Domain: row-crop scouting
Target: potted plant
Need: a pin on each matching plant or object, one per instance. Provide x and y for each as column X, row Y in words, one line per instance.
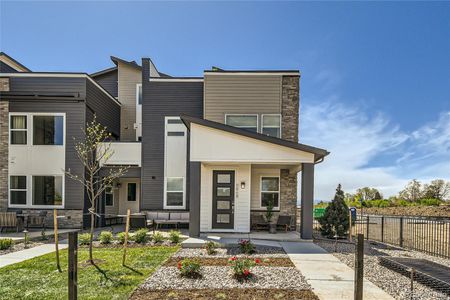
column 269, row 216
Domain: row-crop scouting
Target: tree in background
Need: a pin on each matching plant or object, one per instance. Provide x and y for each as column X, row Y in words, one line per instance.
column 437, row 189
column 412, row 192
column 335, row 219
column 367, row 193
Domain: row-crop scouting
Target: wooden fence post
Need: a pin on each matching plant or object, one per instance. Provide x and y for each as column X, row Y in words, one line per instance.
column 127, row 228
column 73, row 265
column 55, row 231
column 401, row 232
column 359, row 267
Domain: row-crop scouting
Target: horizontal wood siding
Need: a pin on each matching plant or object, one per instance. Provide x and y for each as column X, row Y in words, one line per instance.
column 5, row 68
column 241, row 94
column 49, row 85
column 75, row 120
column 108, row 81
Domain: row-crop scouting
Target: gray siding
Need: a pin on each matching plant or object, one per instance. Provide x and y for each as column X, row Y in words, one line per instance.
column 241, row 94
column 106, row 109
column 108, row 81
column 162, row 99
column 51, row 86
column 75, row 114
column 5, row 68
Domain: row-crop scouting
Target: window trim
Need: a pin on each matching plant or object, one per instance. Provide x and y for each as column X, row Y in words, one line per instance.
column 112, row 193
column 261, row 191
column 262, row 123
column 20, row 190
column 11, row 129
column 242, row 115
column 166, row 191
column 32, row 115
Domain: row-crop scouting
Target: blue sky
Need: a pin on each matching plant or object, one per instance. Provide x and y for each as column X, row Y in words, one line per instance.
column 375, row 85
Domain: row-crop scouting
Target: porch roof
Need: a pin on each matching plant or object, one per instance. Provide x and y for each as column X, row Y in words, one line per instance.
column 213, row 138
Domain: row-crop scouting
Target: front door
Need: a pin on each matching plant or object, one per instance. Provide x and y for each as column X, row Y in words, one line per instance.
column 223, row 200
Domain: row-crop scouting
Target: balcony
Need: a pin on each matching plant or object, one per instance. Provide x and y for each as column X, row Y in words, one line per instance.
column 123, row 154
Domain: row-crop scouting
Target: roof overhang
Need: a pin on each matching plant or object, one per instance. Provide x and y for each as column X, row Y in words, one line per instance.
column 133, row 64
column 13, row 63
column 213, row 142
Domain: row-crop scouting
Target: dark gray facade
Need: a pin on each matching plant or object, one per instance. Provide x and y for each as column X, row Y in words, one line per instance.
column 5, row 68
column 108, row 80
column 172, row 97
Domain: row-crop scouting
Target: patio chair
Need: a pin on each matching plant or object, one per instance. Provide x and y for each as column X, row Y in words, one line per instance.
column 138, row 221
column 259, row 223
column 9, row 220
column 37, row 220
column 284, row 222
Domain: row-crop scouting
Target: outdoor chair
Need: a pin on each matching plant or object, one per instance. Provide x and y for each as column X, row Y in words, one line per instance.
column 259, row 223
column 138, row 221
column 284, row 222
column 37, row 220
column 9, row 220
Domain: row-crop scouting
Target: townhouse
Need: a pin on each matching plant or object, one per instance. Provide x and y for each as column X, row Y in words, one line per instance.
column 219, row 146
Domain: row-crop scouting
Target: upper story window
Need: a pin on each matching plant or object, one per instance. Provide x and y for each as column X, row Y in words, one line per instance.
column 247, row 122
column 48, row 130
column 18, row 130
column 271, row 125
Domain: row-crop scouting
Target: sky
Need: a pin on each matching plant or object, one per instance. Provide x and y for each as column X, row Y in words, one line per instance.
column 375, row 76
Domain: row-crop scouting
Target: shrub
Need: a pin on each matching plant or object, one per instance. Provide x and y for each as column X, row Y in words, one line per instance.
column 158, row 237
column 105, row 237
column 430, row 202
column 242, row 267
column 174, row 236
column 335, row 219
column 246, row 246
column 121, row 237
column 6, row 244
column 140, row 236
column 211, row 247
column 189, row 267
column 84, row 239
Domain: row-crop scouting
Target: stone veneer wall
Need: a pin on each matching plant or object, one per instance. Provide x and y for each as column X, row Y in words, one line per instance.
column 4, row 130
column 73, row 217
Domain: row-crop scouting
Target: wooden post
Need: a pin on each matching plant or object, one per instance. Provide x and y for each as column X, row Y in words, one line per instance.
column 413, row 271
column 73, row 265
column 350, row 231
column 55, row 230
column 359, row 267
column 125, row 243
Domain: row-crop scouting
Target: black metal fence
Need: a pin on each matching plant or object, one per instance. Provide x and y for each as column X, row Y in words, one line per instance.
column 425, row 234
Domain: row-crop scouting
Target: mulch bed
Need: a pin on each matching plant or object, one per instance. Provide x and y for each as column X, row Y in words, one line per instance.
column 221, row 261
column 224, row 294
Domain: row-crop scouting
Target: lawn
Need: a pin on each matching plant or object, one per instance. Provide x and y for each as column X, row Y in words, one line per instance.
column 38, row 278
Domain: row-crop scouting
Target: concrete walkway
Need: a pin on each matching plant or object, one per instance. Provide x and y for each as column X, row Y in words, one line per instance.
column 19, row 256
column 329, row 278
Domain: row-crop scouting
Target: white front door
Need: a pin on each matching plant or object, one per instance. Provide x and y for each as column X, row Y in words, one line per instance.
column 129, row 196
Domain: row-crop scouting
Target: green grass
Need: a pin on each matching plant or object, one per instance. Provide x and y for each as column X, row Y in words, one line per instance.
column 38, row 278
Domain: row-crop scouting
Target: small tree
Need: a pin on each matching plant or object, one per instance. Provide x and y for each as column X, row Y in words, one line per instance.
column 93, row 151
column 412, row 192
column 335, row 220
column 437, row 189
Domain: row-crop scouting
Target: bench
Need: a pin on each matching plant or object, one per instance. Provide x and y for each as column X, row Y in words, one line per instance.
column 166, row 218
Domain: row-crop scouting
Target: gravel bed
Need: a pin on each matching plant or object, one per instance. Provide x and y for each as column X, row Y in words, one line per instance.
column 21, row 246
column 397, row 285
column 221, row 277
column 261, row 251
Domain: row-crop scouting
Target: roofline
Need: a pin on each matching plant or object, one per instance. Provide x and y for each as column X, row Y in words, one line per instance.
column 176, row 79
column 319, row 153
column 15, row 61
column 105, row 71
column 129, row 63
column 62, row 74
column 253, row 72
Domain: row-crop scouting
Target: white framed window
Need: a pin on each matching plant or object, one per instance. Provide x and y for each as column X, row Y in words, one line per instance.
column 271, row 125
column 245, row 121
column 18, row 190
column 48, row 130
column 47, row 190
column 109, row 196
column 174, row 187
column 18, row 129
column 270, row 191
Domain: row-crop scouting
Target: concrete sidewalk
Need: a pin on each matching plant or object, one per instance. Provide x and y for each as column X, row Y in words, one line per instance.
column 19, row 256
column 329, row 278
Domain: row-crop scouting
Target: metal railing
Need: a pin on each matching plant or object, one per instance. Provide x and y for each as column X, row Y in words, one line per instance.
column 430, row 235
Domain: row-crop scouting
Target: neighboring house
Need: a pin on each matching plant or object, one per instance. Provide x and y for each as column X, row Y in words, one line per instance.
column 219, row 146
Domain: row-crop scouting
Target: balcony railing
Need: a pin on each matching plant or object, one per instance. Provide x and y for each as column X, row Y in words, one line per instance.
column 123, row 154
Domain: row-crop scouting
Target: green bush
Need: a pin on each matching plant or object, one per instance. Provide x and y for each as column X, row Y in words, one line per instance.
column 246, row 246
column 6, row 244
column 189, row 267
column 84, row 238
column 174, row 236
column 140, row 236
column 430, row 202
column 121, row 237
column 158, row 237
column 105, row 237
column 335, row 220
column 211, row 247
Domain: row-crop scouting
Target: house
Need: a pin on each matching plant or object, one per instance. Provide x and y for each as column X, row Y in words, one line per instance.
column 219, row 146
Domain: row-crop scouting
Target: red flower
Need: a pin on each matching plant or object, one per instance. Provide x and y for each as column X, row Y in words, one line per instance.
column 257, row 261
column 233, row 258
column 179, row 265
column 246, row 272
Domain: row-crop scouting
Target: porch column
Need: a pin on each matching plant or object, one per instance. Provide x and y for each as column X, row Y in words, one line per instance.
column 194, row 198
column 307, row 198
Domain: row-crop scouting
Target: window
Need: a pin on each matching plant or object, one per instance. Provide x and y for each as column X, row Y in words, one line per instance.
column 47, row 190
column 270, row 191
column 247, row 122
column 109, row 196
column 139, row 94
column 271, row 125
column 174, row 191
column 18, row 130
column 131, row 191
column 18, row 190
column 48, row 130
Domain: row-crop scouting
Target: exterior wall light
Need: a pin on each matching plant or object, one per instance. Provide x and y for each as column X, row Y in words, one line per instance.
column 242, row 184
